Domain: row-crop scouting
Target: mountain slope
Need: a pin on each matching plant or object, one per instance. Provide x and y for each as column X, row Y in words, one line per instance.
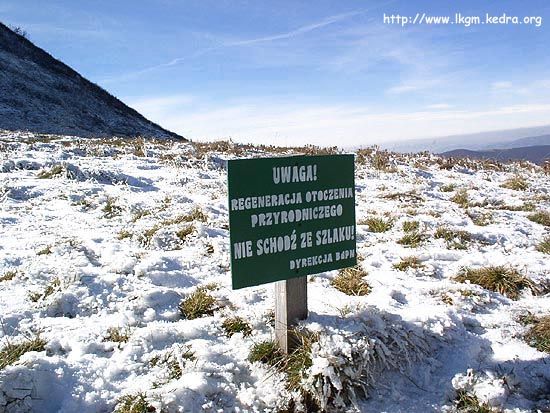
column 39, row 93
column 100, row 247
column 535, row 154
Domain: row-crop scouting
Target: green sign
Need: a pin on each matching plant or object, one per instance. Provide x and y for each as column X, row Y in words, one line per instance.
column 290, row 217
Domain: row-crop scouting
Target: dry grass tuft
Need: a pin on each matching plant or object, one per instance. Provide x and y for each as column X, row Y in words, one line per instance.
column 455, row 239
column 8, row 275
column 234, row 325
column 541, row 217
column 447, row 188
column 467, row 402
column 184, row 232
column 111, row 209
column 198, row 304
column 134, row 403
column 412, row 239
column 124, row 234
column 544, row 246
column 118, row 335
column 410, row 226
column 408, row 262
column 517, row 183
column 461, row 198
column 538, row 335
column 504, row 280
column 480, row 219
column 11, row 353
column 350, row 281
column 266, row 352
column 376, row 224
column 54, row 171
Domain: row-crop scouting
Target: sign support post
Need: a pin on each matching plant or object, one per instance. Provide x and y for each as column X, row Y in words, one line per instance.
column 290, row 217
column 290, row 306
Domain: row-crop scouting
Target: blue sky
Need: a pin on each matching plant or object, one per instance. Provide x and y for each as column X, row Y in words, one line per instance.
column 323, row 72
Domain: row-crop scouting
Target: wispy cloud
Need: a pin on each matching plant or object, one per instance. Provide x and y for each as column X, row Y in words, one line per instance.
column 299, row 31
column 225, row 43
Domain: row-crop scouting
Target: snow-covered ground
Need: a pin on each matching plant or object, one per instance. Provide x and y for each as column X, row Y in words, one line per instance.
column 115, row 238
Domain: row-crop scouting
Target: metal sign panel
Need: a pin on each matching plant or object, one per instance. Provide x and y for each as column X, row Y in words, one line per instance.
column 290, row 216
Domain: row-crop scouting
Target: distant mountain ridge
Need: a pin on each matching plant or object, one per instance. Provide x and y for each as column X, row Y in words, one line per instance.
column 497, row 139
column 39, row 93
column 523, row 142
column 536, row 154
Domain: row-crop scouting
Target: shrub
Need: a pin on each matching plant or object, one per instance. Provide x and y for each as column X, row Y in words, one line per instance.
column 350, row 281
column 544, row 246
column 234, row 325
column 10, row 353
column 504, row 280
column 461, row 198
column 541, row 217
column 538, row 335
column 134, row 403
column 517, row 183
column 347, row 364
column 408, row 262
column 455, row 239
column 409, row 226
column 18, row 30
column 376, row 224
column 412, row 239
column 198, row 304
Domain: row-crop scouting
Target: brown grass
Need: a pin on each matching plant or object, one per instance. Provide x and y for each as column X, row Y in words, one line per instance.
column 198, row 304
column 408, row 262
column 350, row 281
column 538, row 335
column 501, row 279
column 11, row 352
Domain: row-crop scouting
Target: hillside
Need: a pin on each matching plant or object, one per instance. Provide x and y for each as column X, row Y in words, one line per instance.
column 41, row 94
column 107, row 246
column 536, row 154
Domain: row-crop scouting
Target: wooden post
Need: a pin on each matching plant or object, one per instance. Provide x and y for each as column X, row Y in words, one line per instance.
column 290, row 306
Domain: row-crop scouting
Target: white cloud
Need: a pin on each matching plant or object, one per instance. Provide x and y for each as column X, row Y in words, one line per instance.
column 504, row 85
column 161, row 104
column 291, row 124
column 439, row 106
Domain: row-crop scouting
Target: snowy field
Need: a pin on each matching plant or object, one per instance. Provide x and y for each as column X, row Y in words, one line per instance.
column 101, row 242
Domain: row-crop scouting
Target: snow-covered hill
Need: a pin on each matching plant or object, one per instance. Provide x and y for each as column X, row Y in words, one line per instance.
column 102, row 240
column 41, row 94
